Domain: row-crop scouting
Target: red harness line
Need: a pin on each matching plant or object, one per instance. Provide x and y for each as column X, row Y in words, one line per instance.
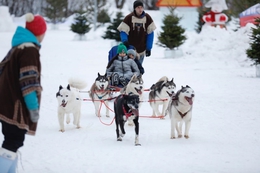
column 127, row 114
column 115, row 90
column 102, row 102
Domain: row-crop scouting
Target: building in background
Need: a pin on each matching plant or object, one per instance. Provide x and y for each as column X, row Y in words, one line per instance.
column 187, row 9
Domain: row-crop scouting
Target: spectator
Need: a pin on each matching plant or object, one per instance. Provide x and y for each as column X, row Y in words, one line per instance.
column 20, row 93
column 137, row 29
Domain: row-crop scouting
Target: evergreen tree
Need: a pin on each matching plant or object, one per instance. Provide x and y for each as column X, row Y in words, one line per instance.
column 112, row 32
column 103, row 16
column 172, row 35
column 200, row 23
column 81, row 25
column 56, row 10
column 253, row 52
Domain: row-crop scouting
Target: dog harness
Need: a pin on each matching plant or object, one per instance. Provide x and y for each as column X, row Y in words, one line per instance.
column 181, row 114
column 127, row 114
column 175, row 98
column 100, row 97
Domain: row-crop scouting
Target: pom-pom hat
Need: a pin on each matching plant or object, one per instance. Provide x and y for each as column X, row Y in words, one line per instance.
column 121, row 48
column 131, row 51
column 138, row 3
column 36, row 24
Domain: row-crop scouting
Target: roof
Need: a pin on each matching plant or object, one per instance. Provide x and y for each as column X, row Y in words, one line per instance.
column 179, row 3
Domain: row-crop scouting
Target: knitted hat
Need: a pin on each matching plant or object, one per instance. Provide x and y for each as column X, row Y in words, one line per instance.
column 121, row 48
column 138, row 3
column 131, row 51
column 36, row 24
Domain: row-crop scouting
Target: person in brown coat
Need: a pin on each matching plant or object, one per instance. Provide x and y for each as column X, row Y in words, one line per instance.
column 20, row 91
column 137, row 29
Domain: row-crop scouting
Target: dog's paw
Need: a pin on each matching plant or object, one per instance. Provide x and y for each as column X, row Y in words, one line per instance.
column 138, row 144
column 172, row 137
column 179, row 136
column 107, row 116
column 186, row 136
column 119, row 139
column 122, row 135
column 62, row 130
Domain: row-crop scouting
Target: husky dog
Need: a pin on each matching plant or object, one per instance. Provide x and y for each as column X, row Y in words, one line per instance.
column 160, row 94
column 134, row 86
column 124, row 107
column 100, row 92
column 70, row 102
column 180, row 110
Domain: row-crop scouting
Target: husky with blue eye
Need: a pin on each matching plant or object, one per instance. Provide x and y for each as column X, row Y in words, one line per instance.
column 160, row 94
column 69, row 102
column 99, row 93
column 180, row 110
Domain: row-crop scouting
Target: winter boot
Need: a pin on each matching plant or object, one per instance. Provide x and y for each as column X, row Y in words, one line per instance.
column 8, row 161
column 13, row 166
column 123, row 81
column 115, row 79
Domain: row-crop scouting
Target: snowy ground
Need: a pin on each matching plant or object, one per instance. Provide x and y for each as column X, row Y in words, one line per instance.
column 224, row 134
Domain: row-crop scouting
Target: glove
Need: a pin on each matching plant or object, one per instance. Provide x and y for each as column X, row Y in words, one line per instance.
column 34, row 115
column 126, row 44
column 148, row 53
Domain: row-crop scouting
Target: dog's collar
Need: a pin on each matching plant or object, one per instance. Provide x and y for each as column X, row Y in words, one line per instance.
column 100, row 97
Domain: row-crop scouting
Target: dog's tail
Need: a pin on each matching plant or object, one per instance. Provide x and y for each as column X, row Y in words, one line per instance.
column 77, row 83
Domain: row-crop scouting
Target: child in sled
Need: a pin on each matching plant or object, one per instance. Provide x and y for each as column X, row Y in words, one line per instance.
column 121, row 67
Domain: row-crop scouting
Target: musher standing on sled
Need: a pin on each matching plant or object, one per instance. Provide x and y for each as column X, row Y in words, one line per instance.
column 137, row 29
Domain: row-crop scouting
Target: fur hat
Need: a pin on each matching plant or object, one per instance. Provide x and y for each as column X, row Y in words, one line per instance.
column 131, row 51
column 138, row 3
column 36, row 24
column 121, row 48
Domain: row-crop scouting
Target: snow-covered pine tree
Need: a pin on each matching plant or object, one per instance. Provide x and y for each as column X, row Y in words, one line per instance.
column 103, row 16
column 81, row 25
column 172, row 35
column 55, row 10
column 253, row 52
column 112, row 32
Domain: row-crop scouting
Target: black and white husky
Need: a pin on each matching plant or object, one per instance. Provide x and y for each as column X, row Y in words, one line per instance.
column 160, row 94
column 69, row 102
column 126, row 106
column 134, row 86
column 100, row 92
column 180, row 110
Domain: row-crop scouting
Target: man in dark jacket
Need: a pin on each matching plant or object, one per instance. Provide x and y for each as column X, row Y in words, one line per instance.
column 137, row 29
column 20, row 92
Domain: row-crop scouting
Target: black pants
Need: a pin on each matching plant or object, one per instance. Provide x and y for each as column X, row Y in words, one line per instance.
column 13, row 136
